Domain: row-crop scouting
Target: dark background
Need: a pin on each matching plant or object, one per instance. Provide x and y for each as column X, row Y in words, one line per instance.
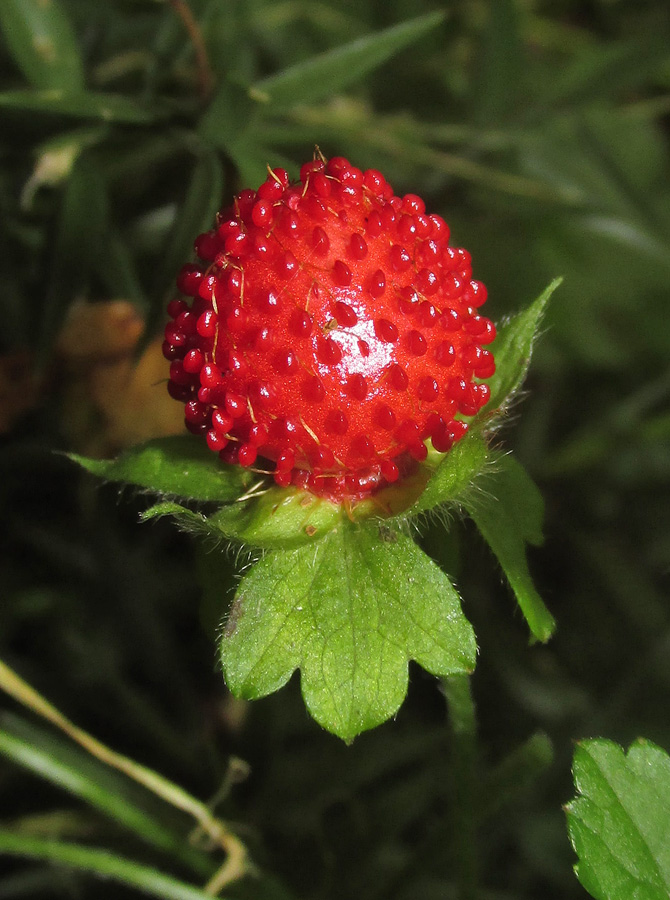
column 540, row 131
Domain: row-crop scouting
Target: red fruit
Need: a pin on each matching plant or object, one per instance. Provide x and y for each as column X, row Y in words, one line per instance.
column 332, row 332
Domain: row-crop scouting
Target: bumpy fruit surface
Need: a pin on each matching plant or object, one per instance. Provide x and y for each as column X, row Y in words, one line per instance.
column 332, row 332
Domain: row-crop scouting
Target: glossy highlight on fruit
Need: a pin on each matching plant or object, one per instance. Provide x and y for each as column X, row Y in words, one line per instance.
column 331, row 332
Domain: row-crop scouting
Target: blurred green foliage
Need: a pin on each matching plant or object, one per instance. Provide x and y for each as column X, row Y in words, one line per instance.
column 540, row 130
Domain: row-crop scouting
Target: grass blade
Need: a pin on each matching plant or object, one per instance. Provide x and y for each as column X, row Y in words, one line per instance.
column 42, row 41
column 105, row 790
column 327, row 73
column 236, row 863
column 103, row 864
column 114, row 108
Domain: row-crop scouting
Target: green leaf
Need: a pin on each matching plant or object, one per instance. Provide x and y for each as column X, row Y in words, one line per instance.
column 512, row 350
column 349, row 611
column 102, row 864
column 180, row 465
column 330, row 72
column 84, row 105
column 41, row 39
column 619, row 824
column 508, row 511
column 70, row 769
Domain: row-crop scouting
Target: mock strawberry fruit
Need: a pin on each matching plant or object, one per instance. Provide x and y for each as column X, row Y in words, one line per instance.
column 333, row 331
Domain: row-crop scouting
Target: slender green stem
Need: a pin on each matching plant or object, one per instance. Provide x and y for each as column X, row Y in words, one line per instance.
column 463, row 727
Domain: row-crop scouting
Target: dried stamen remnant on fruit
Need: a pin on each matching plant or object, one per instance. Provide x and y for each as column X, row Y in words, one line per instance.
column 332, row 332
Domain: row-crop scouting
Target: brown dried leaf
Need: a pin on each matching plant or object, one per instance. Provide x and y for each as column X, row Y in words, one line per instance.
column 96, row 331
column 111, row 400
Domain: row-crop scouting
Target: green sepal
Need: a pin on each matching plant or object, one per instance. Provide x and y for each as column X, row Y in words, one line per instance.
column 508, row 511
column 350, row 611
column 286, row 518
column 275, row 519
column 181, row 466
column 512, row 351
column 279, row 518
column 454, row 474
column 188, row 519
column 619, row 824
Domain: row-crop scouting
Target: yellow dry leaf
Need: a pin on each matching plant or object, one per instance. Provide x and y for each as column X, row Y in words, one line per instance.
column 95, row 331
column 133, row 399
column 111, row 400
